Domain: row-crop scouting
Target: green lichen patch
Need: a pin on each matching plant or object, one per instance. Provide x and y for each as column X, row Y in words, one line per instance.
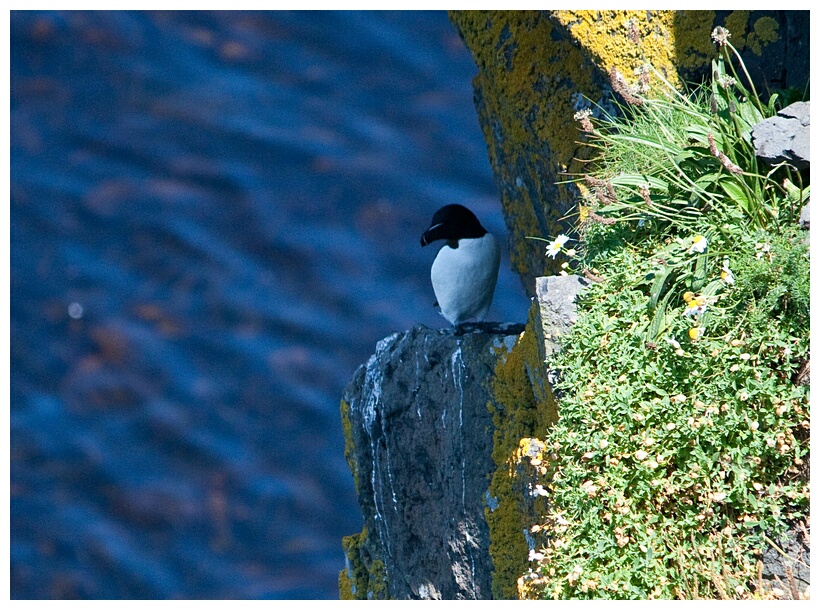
column 350, row 446
column 363, row 577
column 763, row 31
column 353, row 578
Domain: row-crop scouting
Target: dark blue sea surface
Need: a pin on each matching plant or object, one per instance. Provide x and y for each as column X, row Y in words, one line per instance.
column 214, row 217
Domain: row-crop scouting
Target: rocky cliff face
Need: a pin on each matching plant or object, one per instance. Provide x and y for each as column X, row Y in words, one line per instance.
column 434, row 424
column 421, row 455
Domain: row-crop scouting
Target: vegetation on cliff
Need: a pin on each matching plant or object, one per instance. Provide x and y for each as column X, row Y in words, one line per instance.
column 682, row 444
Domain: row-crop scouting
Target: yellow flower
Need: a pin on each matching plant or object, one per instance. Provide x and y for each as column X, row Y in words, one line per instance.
column 688, row 296
column 694, row 333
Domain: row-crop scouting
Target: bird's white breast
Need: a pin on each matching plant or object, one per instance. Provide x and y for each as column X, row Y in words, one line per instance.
column 464, row 278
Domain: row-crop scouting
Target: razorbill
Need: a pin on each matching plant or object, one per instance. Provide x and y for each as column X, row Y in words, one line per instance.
column 466, row 268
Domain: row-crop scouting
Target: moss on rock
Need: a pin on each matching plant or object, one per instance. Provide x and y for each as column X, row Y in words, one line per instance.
column 350, row 446
column 363, row 577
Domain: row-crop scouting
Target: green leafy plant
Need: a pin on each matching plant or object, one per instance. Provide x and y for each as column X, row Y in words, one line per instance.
column 676, row 158
column 683, row 439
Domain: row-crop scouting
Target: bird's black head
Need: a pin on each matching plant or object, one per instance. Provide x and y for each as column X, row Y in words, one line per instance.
column 453, row 222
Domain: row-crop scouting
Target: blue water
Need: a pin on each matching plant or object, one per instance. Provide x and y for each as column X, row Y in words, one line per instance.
column 214, row 217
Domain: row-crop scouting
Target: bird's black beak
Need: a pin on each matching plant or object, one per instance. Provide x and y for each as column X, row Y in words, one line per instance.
column 432, row 234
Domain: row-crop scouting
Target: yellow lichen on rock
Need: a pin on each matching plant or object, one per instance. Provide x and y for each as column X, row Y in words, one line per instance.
column 353, row 577
column 624, row 40
column 532, row 79
column 764, row 30
column 531, row 448
column 360, row 579
column 677, row 43
column 691, row 41
column 737, row 23
column 521, row 414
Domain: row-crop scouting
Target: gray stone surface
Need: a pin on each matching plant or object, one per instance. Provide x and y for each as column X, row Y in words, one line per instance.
column 801, row 111
column 423, row 438
column 557, row 296
column 805, row 216
column 788, row 566
column 785, row 137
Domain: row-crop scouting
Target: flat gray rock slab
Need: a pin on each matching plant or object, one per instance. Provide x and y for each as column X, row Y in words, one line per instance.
column 785, row 137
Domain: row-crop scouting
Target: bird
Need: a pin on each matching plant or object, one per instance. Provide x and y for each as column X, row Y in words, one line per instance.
column 465, row 270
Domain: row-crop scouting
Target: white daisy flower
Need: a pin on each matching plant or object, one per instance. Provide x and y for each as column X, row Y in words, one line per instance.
column 699, row 244
column 695, row 307
column 556, row 246
column 672, row 342
column 726, row 274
